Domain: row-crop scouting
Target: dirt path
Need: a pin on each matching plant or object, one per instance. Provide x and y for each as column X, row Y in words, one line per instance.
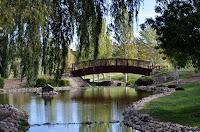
column 195, row 78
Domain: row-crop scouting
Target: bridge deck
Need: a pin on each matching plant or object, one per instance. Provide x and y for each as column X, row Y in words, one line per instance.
column 111, row 65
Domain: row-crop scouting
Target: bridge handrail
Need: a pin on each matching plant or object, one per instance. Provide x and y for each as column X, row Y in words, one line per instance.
column 111, row 62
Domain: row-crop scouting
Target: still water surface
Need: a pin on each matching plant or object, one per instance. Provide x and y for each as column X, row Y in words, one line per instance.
column 76, row 106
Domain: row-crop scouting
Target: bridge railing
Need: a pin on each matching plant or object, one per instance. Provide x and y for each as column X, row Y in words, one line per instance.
column 158, row 68
column 111, row 62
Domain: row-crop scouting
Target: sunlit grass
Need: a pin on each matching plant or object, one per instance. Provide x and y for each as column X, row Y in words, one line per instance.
column 181, row 107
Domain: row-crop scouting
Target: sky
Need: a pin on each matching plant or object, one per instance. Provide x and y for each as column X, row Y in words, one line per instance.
column 146, row 11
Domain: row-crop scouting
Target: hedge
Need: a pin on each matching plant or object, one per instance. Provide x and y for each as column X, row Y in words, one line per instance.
column 131, row 82
column 2, row 82
column 147, row 80
column 41, row 82
column 119, row 84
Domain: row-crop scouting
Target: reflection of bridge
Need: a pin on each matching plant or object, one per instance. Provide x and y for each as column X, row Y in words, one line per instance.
column 111, row 65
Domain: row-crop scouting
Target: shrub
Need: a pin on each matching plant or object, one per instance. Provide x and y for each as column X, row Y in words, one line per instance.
column 171, row 86
column 131, row 82
column 2, row 82
column 119, row 84
column 63, row 83
column 104, row 83
column 52, row 82
column 147, row 80
column 41, row 82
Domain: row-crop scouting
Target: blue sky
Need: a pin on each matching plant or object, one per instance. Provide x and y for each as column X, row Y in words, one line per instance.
column 146, row 11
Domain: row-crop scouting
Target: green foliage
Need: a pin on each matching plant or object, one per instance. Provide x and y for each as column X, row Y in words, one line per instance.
column 43, row 30
column 119, row 84
column 178, row 29
column 41, row 82
column 52, row 82
column 125, row 41
column 2, row 82
column 105, row 43
column 23, row 125
column 63, row 83
column 146, row 44
column 131, row 82
column 93, row 83
column 147, row 80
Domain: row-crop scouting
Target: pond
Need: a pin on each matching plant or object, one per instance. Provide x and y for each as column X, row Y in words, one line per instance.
column 76, row 106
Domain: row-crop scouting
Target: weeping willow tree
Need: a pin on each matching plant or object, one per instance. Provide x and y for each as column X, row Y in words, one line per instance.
column 38, row 33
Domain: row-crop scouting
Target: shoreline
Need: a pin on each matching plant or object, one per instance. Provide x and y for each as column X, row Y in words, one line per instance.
column 13, row 119
column 144, row 122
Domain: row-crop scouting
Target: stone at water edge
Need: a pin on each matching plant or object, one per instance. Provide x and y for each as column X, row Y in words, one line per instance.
column 16, row 121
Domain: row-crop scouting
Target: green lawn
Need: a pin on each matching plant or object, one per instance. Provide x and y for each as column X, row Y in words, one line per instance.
column 181, row 107
column 114, row 76
column 122, row 76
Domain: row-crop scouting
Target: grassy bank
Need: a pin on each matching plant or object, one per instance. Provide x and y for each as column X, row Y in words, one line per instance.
column 181, row 107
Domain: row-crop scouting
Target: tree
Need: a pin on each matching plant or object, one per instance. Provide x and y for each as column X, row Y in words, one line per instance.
column 105, row 43
column 125, row 40
column 178, row 28
column 43, row 29
column 146, row 46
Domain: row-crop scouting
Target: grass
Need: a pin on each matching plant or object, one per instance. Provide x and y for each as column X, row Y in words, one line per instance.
column 181, row 107
column 93, row 83
column 122, row 76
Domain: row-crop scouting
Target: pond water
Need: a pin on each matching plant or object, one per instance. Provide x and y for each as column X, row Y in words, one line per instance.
column 76, row 106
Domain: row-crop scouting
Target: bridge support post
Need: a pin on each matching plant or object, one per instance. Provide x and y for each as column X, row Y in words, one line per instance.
column 98, row 77
column 125, row 77
column 110, row 76
column 93, row 77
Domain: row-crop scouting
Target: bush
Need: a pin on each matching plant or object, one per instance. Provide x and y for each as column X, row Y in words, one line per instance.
column 104, row 83
column 2, row 82
column 171, row 86
column 119, row 84
column 41, row 82
column 147, row 80
column 52, row 82
column 131, row 82
column 63, row 83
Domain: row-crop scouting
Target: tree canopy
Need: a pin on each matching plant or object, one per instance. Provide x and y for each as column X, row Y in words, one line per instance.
column 43, row 29
column 178, row 27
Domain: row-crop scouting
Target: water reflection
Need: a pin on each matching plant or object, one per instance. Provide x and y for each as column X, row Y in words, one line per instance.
column 76, row 106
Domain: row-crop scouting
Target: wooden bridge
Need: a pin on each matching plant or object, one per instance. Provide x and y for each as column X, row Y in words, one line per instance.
column 111, row 65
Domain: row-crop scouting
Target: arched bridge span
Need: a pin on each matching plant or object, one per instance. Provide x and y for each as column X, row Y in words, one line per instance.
column 111, row 65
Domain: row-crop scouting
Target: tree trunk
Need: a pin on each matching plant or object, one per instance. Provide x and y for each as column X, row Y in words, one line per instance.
column 176, row 75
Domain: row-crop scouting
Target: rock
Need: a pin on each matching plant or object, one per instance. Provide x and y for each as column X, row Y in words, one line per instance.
column 12, row 119
column 47, row 124
column 102, row 122
column 114, row 121
column 88, row 122
column 96, row 122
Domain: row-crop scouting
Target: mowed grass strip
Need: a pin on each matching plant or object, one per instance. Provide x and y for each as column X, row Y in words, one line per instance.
column 181, row 107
